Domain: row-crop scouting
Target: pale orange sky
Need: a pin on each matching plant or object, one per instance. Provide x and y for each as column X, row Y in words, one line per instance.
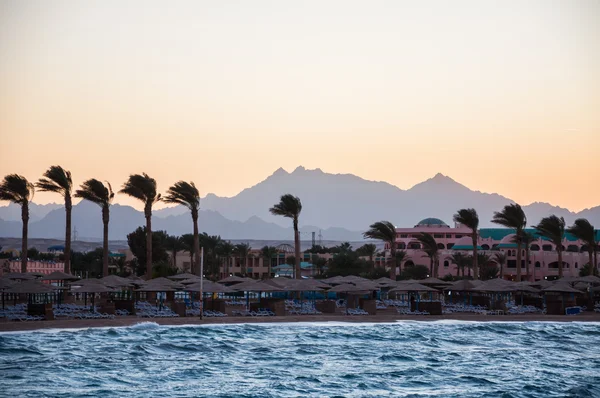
column 501, row 96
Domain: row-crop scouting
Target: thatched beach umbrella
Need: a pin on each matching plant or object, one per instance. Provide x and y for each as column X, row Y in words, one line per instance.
column 180, row 277
column 434, row 282
column 94, row 288
column 18, row 276
column 60, row 276
column 234, row 279
column 116, row 281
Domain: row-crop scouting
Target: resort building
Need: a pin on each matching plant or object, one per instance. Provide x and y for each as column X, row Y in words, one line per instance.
column 41, row 267
column 543, row 261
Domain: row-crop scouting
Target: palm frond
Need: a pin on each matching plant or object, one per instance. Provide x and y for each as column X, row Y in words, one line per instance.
column 384, row 231
column 95, row 191
column 553, row 228
column 289, row 206
column 468, row 218
column 512, row 216
column 16, row 189
column 141, row 187
column 183, row 193
column 56, row 180
column 583, row 230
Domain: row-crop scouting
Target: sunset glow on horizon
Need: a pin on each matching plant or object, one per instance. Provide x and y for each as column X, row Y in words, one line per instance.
column 500, row 96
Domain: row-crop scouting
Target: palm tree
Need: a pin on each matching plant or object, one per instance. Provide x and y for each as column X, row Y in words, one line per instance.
column 143, row 188
column 175, row 243
column 584, row 231
column 429, row 246
column 268, row 252
column 460, row 259
column 400, row 257
column 96, row 192
column 470, row 219
column 17, row 189
column 553, row 228
column 526, row 239
column 58, row 180
column 513, row 216
column 500, row 258
column 242, row 250
column 226, row 249
column 186, row 194
column 290, row 206
column 483, row 261
column 385, row 232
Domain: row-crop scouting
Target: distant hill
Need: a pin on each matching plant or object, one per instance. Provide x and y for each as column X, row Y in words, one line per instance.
column 342, row 205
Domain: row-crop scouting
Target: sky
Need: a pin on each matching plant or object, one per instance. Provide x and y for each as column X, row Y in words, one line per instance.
column 502, row 96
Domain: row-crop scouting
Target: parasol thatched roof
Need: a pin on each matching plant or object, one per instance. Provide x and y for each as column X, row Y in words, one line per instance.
column 412, row 287
column 350, row 288
column 18, row 276
column 234, row 279
column 181, row 277
column 256, row 286
column 434, row 281
column 561, row 288
column 30, row 287
column 208, row 287
column 60, row 276
column 116, row 281
column 461, row 286
column 94, row 288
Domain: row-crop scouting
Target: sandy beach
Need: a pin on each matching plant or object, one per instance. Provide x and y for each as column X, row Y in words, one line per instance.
column 383, row 318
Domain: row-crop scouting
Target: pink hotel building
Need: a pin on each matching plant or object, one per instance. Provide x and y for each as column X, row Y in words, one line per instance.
column 543, row 256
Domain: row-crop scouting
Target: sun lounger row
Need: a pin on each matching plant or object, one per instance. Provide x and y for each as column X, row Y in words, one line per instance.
column 24, row 317
column 406, row 311
column 259, row 312
column 356, row 311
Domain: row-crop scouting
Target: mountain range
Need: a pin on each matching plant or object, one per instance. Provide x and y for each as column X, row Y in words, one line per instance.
column 342, row 206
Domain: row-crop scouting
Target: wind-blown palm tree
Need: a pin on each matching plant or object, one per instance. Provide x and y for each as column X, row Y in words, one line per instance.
column 460, row 259
column 553, row 228
column 290, row 206
column 470, row 219
column 143, row 188
column 513, row 216
column 429, row 246
column 385, row 232
column 584, row 231
column 226, row 249
column 17, row 189
column 175, row 243
column 500, row 258
column 268, row 252
column 242, row 250
column 525, row 239
column 58, row 180
column 96, row 192
column 400, row 257
column 186, row 194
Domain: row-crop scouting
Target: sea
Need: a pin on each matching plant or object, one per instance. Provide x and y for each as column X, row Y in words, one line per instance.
column 401, row 359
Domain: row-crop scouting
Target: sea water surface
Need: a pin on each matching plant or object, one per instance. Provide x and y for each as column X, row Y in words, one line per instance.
column 404, row 359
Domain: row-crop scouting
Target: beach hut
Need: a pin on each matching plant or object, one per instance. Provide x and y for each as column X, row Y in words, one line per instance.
column 354, row 289
column 418, row 288
column 559, row 289
column 93, row 289
column 234, row 279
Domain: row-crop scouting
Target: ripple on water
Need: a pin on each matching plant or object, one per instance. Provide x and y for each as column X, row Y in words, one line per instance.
column 407, row 359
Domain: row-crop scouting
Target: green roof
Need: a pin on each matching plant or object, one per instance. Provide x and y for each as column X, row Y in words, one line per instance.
column 431, row 221
column 465, row 247
column 500, row 233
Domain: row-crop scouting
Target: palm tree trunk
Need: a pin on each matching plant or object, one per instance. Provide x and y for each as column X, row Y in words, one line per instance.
column 595, row 260
column 174, row 257
column 560, row 263
column 518, row 261
column 148, row 214
column 431, row 266
column 67, row 252
column 527, row 262
column 105, row 220
column 297, row 251
column 475, row 259
column 393, row 262
column 591, row 261
column 25, row 219
column 196, row 244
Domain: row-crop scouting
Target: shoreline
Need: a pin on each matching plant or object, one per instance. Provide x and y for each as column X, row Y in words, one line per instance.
column 128, row 321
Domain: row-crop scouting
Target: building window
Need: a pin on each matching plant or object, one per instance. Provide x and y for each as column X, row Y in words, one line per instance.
column 537, row 264
column 438, row 236
column 448, row 235
column 450, row 246
column 573, row 249
column 485, row 247
column 547, row 248
column 446, row 264
column 576, row 265
column 401, row 246
column 440, row 246
column 458, row 236
column 404, row 235
column 414, row 246
column 534, row 248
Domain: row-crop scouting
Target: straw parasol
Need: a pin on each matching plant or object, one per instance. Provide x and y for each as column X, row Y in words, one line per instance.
column 256, row 286
column 95, row 288
column 334, row 280
column 461, row 286
column 413, row 287
column 588, row 279
column 86, row 282
column 208, row 287
column 18, row 276
column 305, row 285
column 234, row 279
column 350, row 288
column 6, row 283
column 560, row 288
column 116, row 281
column 36, row 274
column 30, row 287
column 186, row 275
column 60, row 276
column 434, row 281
